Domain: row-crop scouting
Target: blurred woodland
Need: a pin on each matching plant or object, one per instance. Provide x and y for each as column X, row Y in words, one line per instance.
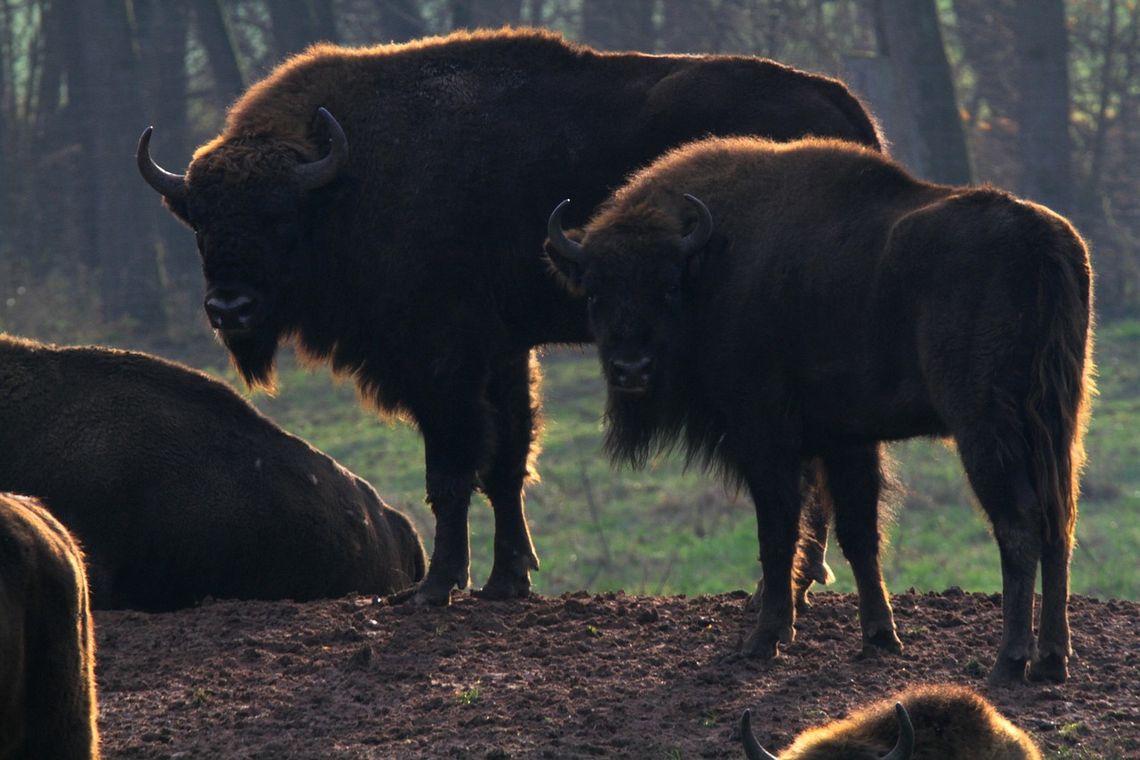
column 1038, row 96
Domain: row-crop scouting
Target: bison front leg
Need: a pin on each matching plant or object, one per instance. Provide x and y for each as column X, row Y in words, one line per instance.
column 455, row 439
column 513, row 393
column 774, row 485
column 811, row 551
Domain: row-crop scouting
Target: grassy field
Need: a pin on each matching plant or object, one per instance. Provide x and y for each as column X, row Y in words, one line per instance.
column 664, row 530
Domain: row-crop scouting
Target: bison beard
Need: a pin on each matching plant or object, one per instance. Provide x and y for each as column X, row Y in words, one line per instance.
column 840, row 304
column 421, row 256
column 253, row 355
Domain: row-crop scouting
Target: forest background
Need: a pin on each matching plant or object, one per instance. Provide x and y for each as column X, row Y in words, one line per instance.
column 1041, row 97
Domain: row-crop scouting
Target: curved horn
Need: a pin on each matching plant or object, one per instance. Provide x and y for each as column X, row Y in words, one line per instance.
column 568, row 248
column 168, row 184
column 324, row 170
column 904, row 747
column 752, row 748
column 700, row 234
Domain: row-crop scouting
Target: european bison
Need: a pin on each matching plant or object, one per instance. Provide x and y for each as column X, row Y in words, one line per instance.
column 942, row 722
column 179, row 489
column 47, row 645
column 767, row 303
column 408, row 254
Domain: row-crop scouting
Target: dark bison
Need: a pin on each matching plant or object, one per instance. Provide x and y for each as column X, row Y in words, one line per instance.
column 768, row 303
column 941, row 722
column 179, row 489
column 47, row 643
column 408, row 254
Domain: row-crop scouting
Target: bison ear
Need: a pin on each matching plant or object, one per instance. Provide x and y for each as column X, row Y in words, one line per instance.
column 569, row 271
column 178, row 208
column 697, row 259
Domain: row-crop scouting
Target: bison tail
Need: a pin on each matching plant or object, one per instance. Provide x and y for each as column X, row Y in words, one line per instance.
column 1061, row 383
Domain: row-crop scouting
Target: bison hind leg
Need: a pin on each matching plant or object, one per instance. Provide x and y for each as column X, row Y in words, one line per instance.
column 1002, row 486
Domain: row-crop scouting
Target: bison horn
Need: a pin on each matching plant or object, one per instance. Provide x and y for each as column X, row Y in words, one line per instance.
column 904, row 747
column 700, row 234
column 752, row 748
column 323, row 171
column 170, row 185
column 568, row 248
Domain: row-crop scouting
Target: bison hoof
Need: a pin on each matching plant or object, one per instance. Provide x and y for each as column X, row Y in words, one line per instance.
column 500, row 588
column 1007, row 672
column 883, row 639
column 764, row 644
column 1052, row 668
column 426, row 594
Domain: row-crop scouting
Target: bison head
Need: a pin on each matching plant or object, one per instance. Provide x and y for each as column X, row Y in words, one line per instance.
column 838, row 744
column 248, row 200
column 637, row 271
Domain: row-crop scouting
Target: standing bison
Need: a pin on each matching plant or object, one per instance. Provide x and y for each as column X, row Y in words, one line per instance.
column 179, row 489
column 407, row 254
column 770, row 303
column 47, row 644
column 940, row 722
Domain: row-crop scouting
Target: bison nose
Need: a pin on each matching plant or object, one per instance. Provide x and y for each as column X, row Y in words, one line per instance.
column 631, row 375
column 231, row 308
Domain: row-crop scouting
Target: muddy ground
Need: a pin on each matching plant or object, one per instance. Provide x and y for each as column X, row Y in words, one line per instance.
column 576, row 676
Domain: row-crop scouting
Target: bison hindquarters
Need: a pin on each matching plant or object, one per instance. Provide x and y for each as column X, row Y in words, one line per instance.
column 47, row 647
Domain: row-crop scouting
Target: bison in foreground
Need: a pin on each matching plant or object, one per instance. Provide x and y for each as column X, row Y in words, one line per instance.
column 769, row 303
column 179, row 489
column 47, row 644
column 941, row 722
column 408, row 254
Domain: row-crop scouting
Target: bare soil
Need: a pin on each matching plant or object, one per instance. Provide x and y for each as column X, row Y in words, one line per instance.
column 581, row 675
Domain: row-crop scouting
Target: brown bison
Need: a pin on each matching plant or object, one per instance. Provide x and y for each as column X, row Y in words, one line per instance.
column 47, row 644
column 407, row 254
column 179, row 489
column 768, row 303
column 942, row 722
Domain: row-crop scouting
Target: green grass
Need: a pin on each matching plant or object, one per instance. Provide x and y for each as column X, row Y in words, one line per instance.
column 665, row 531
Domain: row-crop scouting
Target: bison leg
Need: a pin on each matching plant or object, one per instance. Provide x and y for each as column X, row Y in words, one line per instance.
column 1009, row 501
column 811, row 560
column 775, row 488
column 854, row 479
column 1053, row 646
column 811, row 553
column 455, row 439
column 513, row 393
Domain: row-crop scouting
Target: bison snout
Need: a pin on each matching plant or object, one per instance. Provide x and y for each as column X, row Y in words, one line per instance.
column 232, row 309
column 631, row 375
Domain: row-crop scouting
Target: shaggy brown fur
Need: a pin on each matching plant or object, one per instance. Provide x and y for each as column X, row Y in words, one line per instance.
column 180, row 489
column 839, row 303
column 950, row 723
column 418, row 270
column 48, row 708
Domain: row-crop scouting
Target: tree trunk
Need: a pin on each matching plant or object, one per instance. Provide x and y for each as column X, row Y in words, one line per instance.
column 1042, row 44
column 215, row 37
column 296, row 25
column 123, row 210
column 923, row 117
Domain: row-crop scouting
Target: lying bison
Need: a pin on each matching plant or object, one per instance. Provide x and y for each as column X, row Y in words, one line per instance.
column 942, row 722
column 47, row 644
column 179, row 489
column 769, row 303
column 407, row 255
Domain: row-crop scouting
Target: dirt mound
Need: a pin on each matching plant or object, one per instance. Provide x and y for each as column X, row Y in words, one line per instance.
column 581, row 675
